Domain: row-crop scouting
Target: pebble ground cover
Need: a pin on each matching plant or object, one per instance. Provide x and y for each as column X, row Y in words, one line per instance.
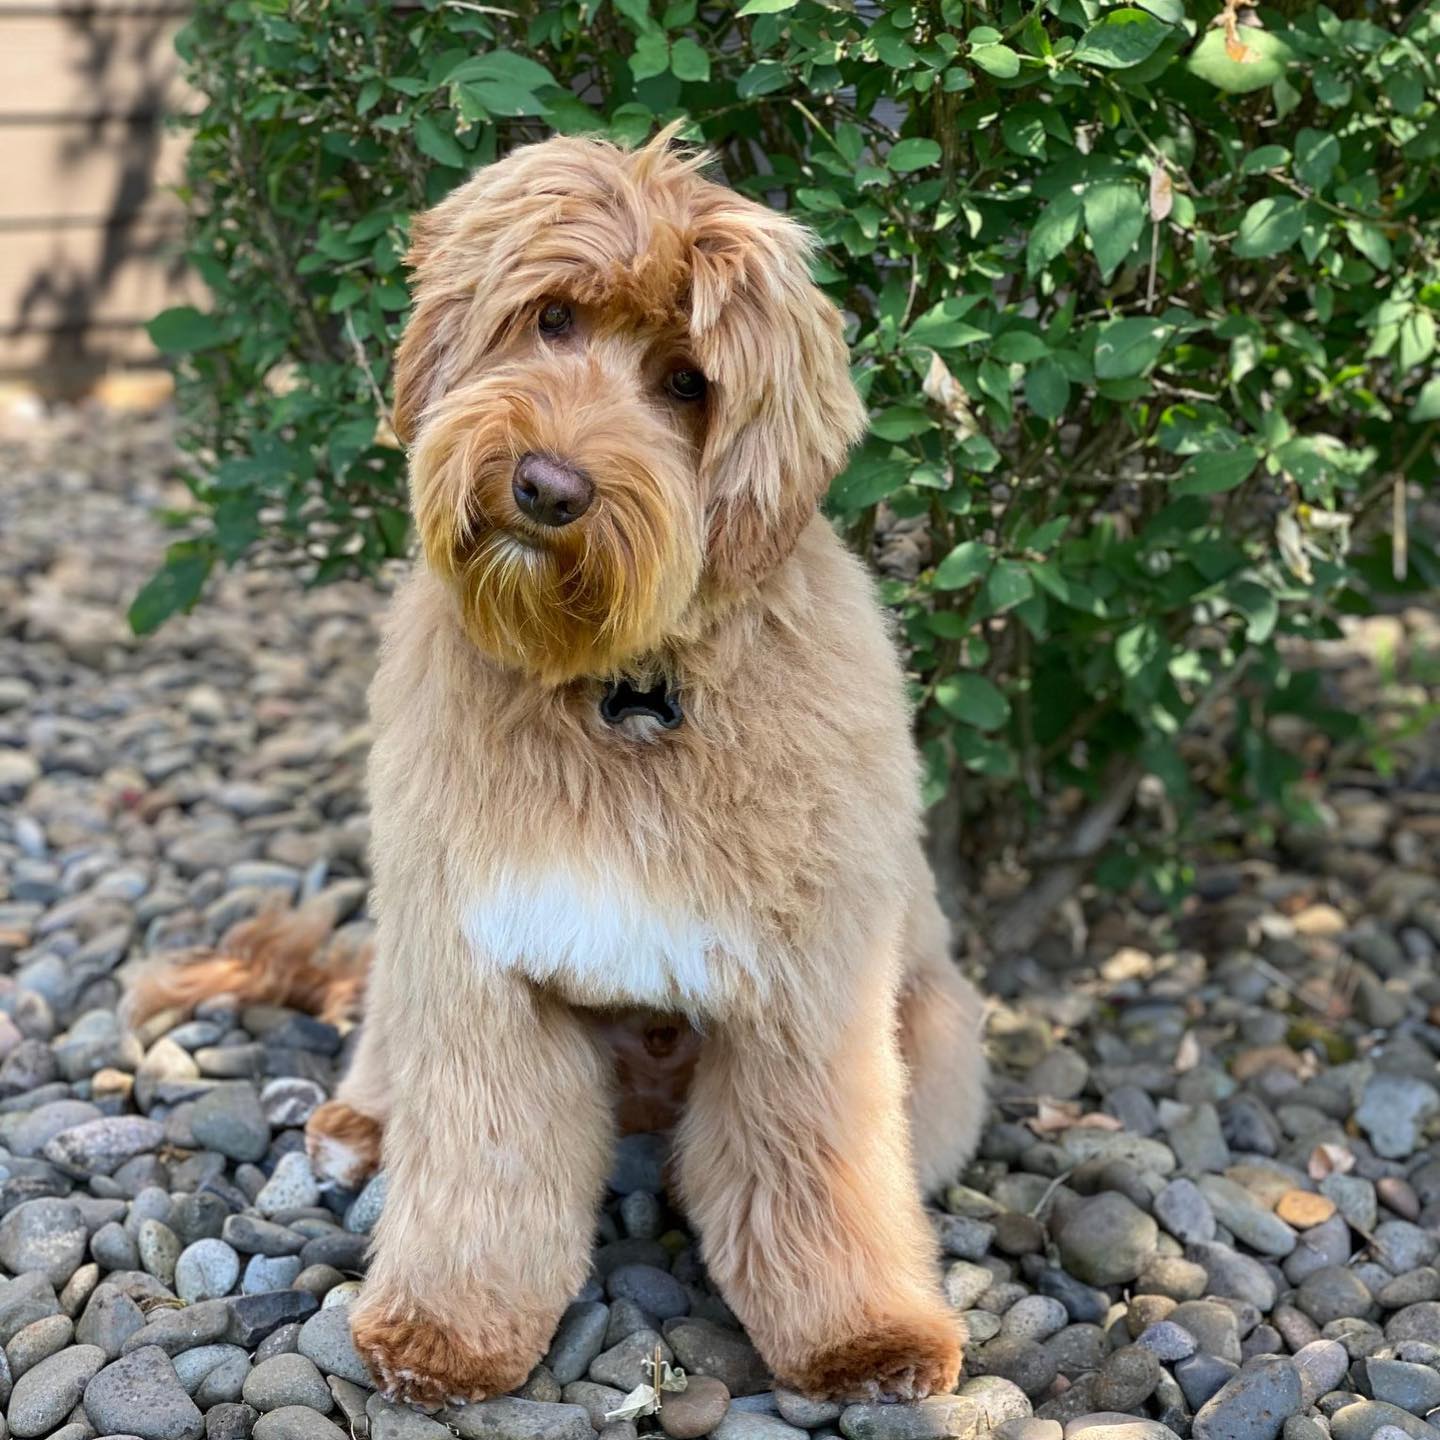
column 1207, row 1203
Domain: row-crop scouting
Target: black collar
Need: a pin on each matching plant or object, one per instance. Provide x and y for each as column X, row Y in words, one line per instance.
column 621, row 700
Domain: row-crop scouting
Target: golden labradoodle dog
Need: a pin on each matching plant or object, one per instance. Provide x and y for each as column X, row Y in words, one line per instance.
column 641, row 746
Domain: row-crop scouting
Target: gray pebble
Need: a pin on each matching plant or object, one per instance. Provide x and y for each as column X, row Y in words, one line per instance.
column 296, row 1422
column 206, row 1270
column 932, row 1419
column 159, row 1250
column 1035, row 1317
column 389, row 1421
column 291, row 1187
column 229, row 1422
column 626, row 1365
column 511, row 1419
column 46, row 1394
column 1415, row 1388
column 229, row 1119
column 1363, row 1421
column 365, row 1210
column 325, row 1339
column 287, row 1380
column 140, row 1394
column 102, row 1146
column 579, row 1338
column 1321, row 1365
column 1393, row 1111
column 109, row 1320
column 1252, row 1406
column 1106, row 1240
column 46, row 1236
column 269, row 1272
column 192, row 1366
column 37, row 1342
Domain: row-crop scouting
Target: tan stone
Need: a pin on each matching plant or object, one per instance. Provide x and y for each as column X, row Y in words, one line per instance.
column 1303, row 1208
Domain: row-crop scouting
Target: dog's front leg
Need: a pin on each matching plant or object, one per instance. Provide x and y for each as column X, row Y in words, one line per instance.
column 795, row 1164
column 496, row 1148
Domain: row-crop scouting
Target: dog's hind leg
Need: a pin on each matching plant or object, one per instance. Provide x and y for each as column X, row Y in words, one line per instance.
column 940, row 1023
column 795, row 1164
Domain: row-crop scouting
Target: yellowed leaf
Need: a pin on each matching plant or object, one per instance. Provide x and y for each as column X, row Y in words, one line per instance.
column 944, row 390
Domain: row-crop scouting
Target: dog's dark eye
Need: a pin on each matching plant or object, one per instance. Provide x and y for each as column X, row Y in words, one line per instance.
column 686, row 384
column 555, row 318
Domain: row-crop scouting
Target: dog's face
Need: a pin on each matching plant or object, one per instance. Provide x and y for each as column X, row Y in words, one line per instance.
column 623, row 397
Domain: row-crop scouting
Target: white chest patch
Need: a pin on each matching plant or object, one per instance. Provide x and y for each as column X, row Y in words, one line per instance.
column 599, row 937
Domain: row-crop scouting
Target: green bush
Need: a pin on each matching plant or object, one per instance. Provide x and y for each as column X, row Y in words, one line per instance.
column 1144, row 304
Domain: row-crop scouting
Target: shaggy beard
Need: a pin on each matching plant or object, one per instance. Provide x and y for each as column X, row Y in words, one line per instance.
column 565, row 615
column 582, row 600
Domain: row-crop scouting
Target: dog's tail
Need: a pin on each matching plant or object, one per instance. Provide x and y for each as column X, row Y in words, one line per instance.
column 280, row 957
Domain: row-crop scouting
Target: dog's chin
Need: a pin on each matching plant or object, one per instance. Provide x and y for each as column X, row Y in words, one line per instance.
column 560, row 610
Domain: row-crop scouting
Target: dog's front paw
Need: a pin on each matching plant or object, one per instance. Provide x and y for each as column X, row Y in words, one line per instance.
column 343, row 1143
column 421, row 1360
column 902, row 1359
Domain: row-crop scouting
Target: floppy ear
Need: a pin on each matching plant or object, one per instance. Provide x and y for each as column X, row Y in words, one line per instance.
column 418, row 356
column 784, row 411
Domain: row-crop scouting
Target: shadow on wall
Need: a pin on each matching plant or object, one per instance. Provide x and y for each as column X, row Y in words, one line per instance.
column 89, row 233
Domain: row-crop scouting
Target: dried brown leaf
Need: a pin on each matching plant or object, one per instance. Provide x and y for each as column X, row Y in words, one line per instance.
column 1188, row 1056
column 1330, row 1160
column 1162, row 193
column 944, row 390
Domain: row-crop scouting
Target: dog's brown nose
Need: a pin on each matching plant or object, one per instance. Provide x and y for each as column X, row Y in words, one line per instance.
column 550, row 492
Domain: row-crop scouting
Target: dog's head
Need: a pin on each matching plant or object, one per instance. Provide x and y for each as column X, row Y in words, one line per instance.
column 623, row 398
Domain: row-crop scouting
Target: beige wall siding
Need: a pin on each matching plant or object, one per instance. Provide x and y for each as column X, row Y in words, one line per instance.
column 89, row 234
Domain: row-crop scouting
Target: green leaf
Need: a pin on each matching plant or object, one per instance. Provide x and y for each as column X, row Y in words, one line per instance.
column 766, row 7
column 1024, row 132
column 688, row 61
column 1057, row 225
column 182, row 329
column 1317, row 153
column 1047, row 389
column 1121, row 38
column 175, row 586
column 983, row 755
column 1370, row 241
column 762, row 78
column 1259, row 607
column 431, row 140
column 1210, row 61
column 651, row 56
column 869, row 478
column 1216, row 472
column 915, row 154
column 1019, row 347
column 964, row 565
column 1126, row 348
column 997, row 60
column 1270, row 226
column 1008, row 585
column 973, row 699
column 900, row 422
column 1114, row 219
column 1417, row 339
column 1427, row 402
column 1137, row 647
